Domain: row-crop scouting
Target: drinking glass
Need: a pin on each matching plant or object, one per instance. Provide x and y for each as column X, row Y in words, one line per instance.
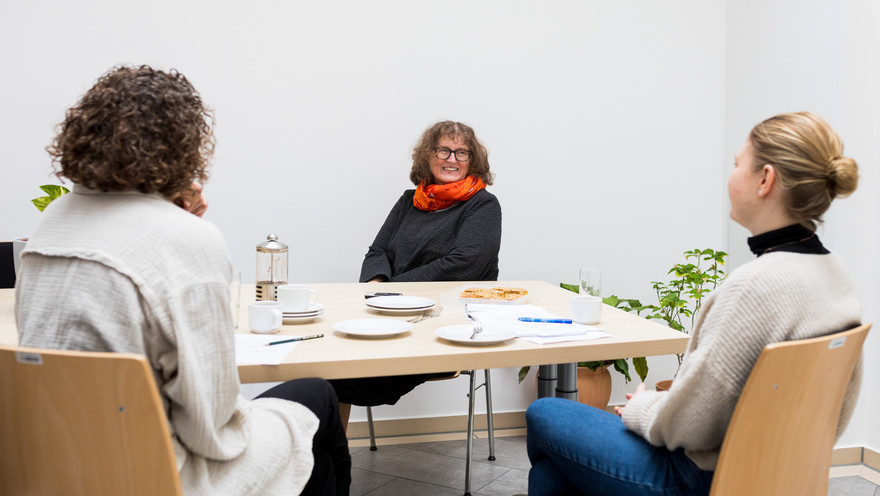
column 235, row 297
column 591, row 281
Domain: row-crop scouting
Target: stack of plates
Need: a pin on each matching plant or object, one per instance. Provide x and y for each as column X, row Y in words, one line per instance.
column 400, row 304
column 303, row 316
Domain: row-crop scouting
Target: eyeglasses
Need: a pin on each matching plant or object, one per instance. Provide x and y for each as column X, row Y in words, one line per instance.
column 444, row 153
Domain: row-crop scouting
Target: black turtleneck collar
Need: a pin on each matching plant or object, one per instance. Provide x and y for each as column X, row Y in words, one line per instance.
column 795, row 239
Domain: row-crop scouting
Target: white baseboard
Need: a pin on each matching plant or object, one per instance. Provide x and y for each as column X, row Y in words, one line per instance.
column 453, row 428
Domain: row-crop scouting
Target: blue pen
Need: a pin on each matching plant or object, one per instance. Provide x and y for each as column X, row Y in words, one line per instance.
column 549, row 321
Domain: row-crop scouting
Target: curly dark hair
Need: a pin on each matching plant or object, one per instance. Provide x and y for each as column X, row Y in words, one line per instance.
column 424, row 151
column 136, row 129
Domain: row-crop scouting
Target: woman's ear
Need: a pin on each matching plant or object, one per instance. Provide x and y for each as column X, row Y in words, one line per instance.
column 768, row 180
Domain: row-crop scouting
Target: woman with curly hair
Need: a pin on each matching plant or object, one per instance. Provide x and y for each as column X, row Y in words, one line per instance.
column 117, row 266
column 789, row 170
column 447, row 229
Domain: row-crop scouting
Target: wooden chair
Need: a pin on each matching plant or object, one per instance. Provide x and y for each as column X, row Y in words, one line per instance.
column 470, row 426
column 7, row 265
column 82, row 423
column 780, row 438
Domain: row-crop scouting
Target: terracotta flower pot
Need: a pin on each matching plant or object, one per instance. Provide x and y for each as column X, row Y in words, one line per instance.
column 663, row 385
column 594, row 388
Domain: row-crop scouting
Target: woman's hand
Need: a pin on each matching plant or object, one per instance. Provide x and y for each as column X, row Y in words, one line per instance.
column 639, row 389
column 192, row 200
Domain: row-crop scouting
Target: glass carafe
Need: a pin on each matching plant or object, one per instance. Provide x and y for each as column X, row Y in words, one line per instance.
column 271, row 267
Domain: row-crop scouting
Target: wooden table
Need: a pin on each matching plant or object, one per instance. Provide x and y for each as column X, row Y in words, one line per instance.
column 419, row 351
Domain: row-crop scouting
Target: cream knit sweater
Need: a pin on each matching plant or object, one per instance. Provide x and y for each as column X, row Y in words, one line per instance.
column 130, row 272
column 778, row 297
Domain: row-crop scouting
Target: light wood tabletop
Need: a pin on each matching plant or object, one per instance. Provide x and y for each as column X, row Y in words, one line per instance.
column 419, row 350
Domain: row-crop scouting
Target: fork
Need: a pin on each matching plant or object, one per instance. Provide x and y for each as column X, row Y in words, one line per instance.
column 427, row 315
column 478, row 326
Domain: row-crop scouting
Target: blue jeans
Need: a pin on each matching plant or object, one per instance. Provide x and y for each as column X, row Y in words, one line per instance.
column 577, row 449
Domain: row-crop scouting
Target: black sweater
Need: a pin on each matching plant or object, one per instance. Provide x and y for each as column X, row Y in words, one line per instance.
column 459, row 243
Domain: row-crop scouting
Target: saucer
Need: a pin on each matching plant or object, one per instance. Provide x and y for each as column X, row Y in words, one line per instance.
column 313, row 309
column 300, row 318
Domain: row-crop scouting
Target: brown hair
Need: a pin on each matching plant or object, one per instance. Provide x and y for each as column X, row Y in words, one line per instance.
column 136, row 129
column 807, row 155
column 478, row 165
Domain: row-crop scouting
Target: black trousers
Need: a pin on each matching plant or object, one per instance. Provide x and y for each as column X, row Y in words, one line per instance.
column 332, row 472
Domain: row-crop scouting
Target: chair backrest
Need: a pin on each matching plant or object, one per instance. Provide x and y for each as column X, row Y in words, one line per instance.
column 783, row 428
column 82, row 423
column 7, row 265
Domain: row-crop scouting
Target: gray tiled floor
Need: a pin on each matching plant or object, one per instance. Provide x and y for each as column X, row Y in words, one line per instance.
column 852, row 486
column 437, row 469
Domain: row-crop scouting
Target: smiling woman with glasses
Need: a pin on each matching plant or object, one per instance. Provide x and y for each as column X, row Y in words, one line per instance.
column 447, row 229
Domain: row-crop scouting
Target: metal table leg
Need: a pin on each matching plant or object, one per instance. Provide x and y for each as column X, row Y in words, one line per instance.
column 566, row 386
column 546, row 381
column 470, row 435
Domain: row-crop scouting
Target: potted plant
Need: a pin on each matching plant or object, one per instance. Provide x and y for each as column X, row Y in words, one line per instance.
column 594, row 378
column 53, row 192
column 679, row 300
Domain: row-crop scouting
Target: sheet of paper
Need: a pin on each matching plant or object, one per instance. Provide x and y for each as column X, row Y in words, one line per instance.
column 251, row 349
column 506, row 317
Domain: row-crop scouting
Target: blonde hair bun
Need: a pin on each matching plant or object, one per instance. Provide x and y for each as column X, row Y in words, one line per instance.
column 807, row 155
column 843, row 176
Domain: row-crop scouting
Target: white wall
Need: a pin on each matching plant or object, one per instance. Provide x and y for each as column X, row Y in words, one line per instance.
column 611, row 126
column 824, row 57
column 604, row 122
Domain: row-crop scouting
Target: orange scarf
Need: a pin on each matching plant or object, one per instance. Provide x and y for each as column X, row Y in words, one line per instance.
column 432, row 197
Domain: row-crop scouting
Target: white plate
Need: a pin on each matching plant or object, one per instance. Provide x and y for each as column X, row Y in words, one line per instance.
column 373, row 328
column 315, row 308
column 303, row 314
column 402, row 311
column 300, row 318
column 461, row 333
column 400, row 303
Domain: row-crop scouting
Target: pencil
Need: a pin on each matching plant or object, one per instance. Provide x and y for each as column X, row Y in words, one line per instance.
column 291, row 340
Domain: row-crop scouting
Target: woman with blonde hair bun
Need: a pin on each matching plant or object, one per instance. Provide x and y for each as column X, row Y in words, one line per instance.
column 786, row 175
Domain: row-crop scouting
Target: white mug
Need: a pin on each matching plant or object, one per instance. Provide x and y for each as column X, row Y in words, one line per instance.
column 294, row 298
column 586, row 309
column 264, row 317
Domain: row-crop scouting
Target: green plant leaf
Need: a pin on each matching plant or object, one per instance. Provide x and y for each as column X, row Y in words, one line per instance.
column 571, row 287
column 523, row 372
column 42, row 202
column 611, row 301
column 641, row 366
column 52, row 191
column 621, row 366
column 591, row 365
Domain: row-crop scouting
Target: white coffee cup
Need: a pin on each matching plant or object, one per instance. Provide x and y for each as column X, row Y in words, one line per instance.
column 586, row 309
column 264, row 317
column 295, row 298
